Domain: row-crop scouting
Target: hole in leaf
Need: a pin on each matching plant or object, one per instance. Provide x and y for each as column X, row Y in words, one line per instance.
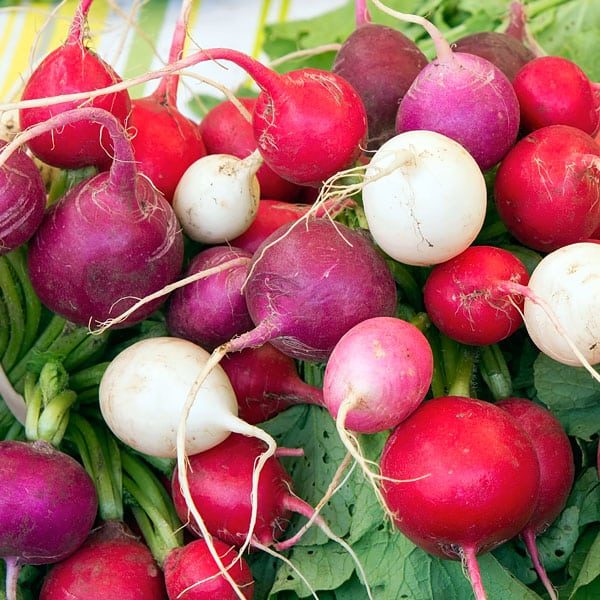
column 558, row 552
column 326, row 435
column 326, row 458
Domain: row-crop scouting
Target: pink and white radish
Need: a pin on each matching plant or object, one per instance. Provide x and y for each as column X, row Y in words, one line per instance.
column 424, row 198
column 469, row 495
column 110, row 239
column 73, row 68
column 557, row 471
column 462, row 96
column 47, row 507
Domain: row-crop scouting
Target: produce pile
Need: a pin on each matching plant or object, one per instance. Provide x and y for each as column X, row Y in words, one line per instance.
column 339, row 339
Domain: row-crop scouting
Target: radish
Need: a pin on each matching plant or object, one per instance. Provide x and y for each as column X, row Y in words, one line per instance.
column 266, row 382
column 190, row 573
column 165, row 142
column 550, row 177
column 22, row 200
column 553, row 90
column 217, row 197
column 71, row 68
column 112, row 564
column 47, row 507
column 465, row 300
column 557, row 472
column 381, row 64
column 424, row 198
column 111, row 238
column 462, row 96
column 212, row 310
column 225, row 130
column 506, row 50
column 471, row 495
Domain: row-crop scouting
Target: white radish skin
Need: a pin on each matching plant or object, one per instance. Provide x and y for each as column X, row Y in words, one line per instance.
column 144, row 389
column 568, row 281
column 424, row 198
column 217, row 198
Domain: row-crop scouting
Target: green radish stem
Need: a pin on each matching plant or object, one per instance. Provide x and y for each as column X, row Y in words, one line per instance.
column 463, row 373
column 495, row 373
column 88, row 377
column 16, row 315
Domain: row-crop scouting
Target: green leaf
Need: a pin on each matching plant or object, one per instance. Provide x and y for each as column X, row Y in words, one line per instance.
column 587, row 585
column 571, row 394
column 558, row 542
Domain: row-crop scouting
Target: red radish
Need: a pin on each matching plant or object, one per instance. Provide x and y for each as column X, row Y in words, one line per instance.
column 471, row 494
column 110, row 239
column 22, row 200
column 549, row 177
column 225, row 130
column 465, row 300
column 381, row 63
column 462, row 96
column 73, row 68
column 554, row 91
column 111, row 565
column 557, row 472
column 506, row 50
column 47, row 507
column 210, row 311
column 266, row 382
column 190, row 573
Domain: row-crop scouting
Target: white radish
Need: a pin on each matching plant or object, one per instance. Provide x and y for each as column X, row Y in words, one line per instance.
column 217, row 198
column 568, row 282
column 424, row 198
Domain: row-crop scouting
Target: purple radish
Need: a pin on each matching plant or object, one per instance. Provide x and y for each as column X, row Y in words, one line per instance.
column 212, row 310
column 465, row 300
column 381, row 63
column 110, row 240
column 73, row 68
column 22, row 200
column 461, row 96
column 47, row 507
column 266, row 382
column 557, row 472
column 376, row 376
column 468, row 495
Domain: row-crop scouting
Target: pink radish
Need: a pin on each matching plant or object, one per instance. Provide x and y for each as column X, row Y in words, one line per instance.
column 73, row 68
column 462, row 96
column 224, row 130
column 47, row 507
column 553, row 90
column 190, row 573
column 266, row 382
column 212, row 310
column 557, row 472
column 112, row 565
column 465, row 300
column 110, row 239
column 22, row 200
column 549, row 177
column 471, row 494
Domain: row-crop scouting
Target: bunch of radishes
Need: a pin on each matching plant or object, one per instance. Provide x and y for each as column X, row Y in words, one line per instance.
column 272, row 283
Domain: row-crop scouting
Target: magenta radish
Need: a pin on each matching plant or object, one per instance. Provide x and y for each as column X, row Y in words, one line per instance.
column 266, row 382
column 73, row 68
column 22, row 200
column 549, row 177
column 217, row 197
column 471, row 495
column 55, row 515
column 165, row 142
column 225, row 130
column 190, row 573
column 111, row 239
column 465, row 300
column 381, row 63
column 557, row 472
column 462, row 96
column 554, row 91
column 210, row 311
column 112, row 564
column 424, row 198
